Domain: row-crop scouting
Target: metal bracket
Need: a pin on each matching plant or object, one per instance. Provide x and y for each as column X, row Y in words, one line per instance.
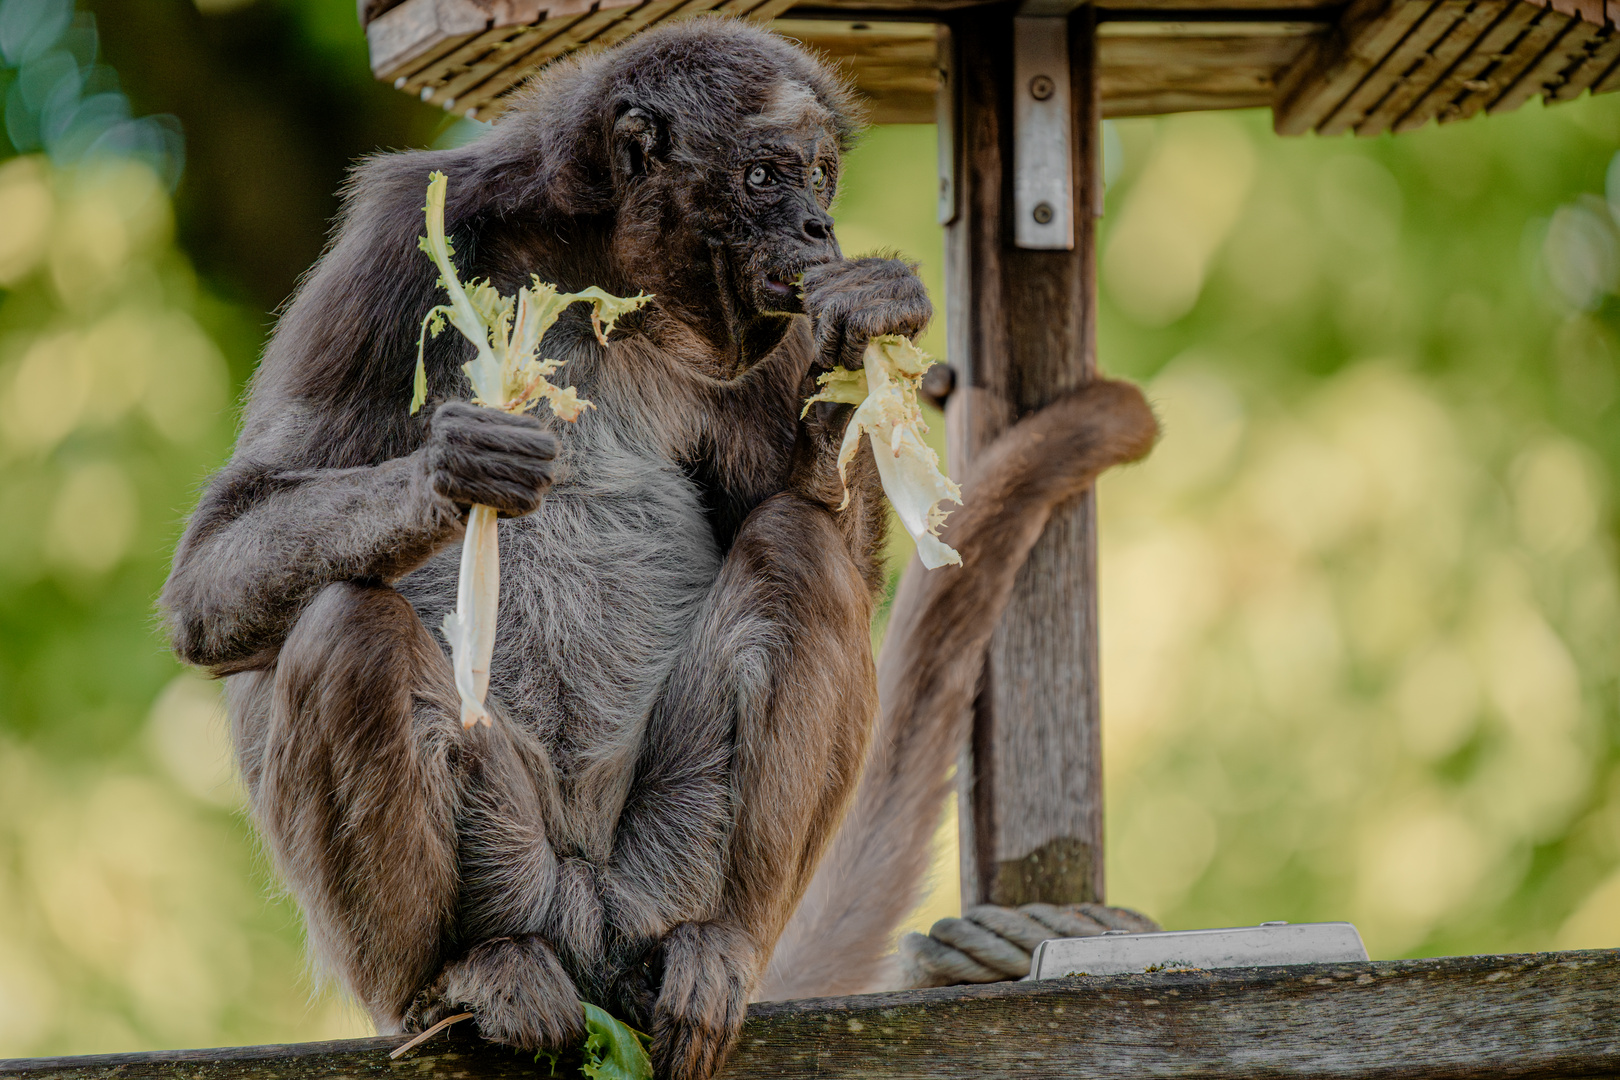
column 1266, row 945
column 1043, row 170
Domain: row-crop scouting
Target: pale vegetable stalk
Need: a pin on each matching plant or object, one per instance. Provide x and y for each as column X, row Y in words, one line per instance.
column 885, row 395
column 505, row 375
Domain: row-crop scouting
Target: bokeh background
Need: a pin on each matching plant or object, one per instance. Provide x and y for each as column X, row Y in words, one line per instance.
column 1360, row 613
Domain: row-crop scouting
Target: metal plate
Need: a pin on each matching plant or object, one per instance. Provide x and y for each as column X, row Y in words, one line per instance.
column 1267, row 945
column 1043, row 186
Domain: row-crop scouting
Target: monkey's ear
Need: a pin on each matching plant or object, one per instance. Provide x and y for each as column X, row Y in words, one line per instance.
column 638, row 141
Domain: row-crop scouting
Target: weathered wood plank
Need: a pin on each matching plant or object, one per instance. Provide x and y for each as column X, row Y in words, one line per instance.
column 1601, row 54
column 1392, row 67
column 1510, row 64
column 1484, row 1017
column 1546, row 70
column 1430, row 68
column 417, row 32
column 1330, row 70
column 1204, row 53
column 1609, row 81
column 1141, row 76
column 1162, row 102
column 1589, row 10
column 1022, row 331
column 1466, row 74
column 466, row 66
column 892, row 63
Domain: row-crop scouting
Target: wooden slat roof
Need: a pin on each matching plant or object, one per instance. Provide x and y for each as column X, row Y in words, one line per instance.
column 1370, row 66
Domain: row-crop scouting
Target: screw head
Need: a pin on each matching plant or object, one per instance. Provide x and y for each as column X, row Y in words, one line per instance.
column 1041, row 87
column 1043, row 213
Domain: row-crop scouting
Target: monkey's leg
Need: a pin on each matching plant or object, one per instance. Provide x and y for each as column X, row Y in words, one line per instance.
column 770, row 711
column 361, row 779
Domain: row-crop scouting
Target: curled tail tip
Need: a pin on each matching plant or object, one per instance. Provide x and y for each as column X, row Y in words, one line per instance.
column 1122, row 413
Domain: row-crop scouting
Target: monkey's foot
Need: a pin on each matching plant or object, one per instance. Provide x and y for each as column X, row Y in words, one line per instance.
column 991, row 944
column 709, row 972
column 515, row 988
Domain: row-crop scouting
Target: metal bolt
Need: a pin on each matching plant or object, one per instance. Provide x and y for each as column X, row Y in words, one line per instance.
column 1043, row 213
column 1041, row 87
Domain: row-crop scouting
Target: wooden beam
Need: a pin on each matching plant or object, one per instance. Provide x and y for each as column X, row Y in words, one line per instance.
column 1431, row 65
column 1022, row 330
column 1331, row 69
column 1466, row 75
column 1482, row 1017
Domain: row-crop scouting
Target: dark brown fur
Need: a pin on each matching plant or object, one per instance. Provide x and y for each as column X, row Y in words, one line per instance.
column 683, row 687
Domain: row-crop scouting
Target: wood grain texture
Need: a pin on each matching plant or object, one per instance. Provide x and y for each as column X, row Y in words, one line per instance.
column 1147, row 75
column 1328, row 72
column 1541, row 1015
column 1022, row 331
column 1564, row 49
column 893, row 64
column 1600, row 54
column 417, row 32
column 1429, row 68
column 1388, row 72
column 1472, row 70
column 1609, row 81
column 1510, row 64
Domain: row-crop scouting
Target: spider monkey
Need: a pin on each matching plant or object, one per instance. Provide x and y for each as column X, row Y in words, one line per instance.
column 683, row 689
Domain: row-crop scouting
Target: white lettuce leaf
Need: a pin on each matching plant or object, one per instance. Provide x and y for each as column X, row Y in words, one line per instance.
column 505, row 332
column 884, row 393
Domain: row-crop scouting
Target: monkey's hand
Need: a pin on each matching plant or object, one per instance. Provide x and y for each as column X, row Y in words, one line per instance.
column 853, row 301
column 710, row 971
column 485, row 456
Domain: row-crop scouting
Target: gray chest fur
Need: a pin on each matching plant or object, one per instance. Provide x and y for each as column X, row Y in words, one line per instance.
column 600, row 589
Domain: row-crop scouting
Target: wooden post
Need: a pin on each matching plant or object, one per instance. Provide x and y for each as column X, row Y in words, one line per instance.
column 1022, row 330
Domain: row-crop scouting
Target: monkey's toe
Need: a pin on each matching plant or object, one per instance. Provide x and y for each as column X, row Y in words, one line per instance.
column 709, row 972
column 518, row 993
column 991, row 943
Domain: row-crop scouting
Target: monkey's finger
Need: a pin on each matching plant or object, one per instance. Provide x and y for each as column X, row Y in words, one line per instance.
column 991, row 950
column 1067, row 923
column 1118, row 918
column 932, row 963
column 529, row 440
column 466, row 411
column 1017, row 928
column 510, row 499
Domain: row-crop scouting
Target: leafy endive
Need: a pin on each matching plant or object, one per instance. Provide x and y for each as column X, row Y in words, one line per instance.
column 506, row 332
column 613, row 1050
column 884, row 393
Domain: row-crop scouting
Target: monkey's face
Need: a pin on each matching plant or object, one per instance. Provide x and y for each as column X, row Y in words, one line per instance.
column 782, row 185
column 720, row 217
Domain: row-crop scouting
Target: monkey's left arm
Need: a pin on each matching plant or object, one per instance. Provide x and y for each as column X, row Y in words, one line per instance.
column 757, row 744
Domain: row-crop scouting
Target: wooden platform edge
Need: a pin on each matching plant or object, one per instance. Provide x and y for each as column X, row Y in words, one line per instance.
column 1515, row 1016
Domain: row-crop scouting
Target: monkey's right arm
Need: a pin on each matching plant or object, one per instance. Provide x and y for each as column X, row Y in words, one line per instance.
column 268, row 534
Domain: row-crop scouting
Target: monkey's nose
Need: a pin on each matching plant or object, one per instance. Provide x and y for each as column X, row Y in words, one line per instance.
column 818, row 227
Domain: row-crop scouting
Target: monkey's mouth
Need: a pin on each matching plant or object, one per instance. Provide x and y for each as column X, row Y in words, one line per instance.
column 778, row 291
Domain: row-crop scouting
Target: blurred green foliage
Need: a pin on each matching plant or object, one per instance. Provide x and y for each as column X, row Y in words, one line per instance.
column 1360, row 609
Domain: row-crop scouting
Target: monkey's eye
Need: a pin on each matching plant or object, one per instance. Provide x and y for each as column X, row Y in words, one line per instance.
column 759, row 176
column 818, row 177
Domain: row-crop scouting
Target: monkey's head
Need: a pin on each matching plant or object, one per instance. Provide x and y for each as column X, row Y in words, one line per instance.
column 711, row 148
